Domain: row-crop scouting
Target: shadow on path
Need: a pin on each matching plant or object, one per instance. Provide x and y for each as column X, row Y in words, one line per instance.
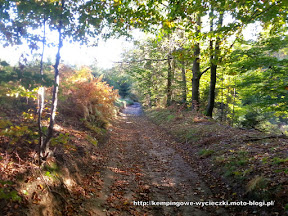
column 144, row 168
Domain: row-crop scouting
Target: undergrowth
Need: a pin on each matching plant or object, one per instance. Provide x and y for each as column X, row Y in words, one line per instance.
column 86, row 105
column 253, row 167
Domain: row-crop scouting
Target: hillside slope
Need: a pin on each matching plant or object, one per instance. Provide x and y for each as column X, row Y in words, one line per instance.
column 237, row 164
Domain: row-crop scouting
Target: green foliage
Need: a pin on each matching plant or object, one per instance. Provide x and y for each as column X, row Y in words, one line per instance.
column 119, row 80
column 252, row 119
column 277, row 160
column 19, row 91
column 170, row 117
column 234, row 164
column 160, row 115
column 206, row 152
column 19, row 133
column 148, row 76
column 192, row 134
column 7, row 192
column 264, row 160
column 94, row 128
column 262, row 83
column 92, row 140
column 9, row 195
column 51, row 167
column 25, row 80
column 251, row 75
column 48, row 174
column 51, row 170
column 62, row 139
column 5, row 123
column 79, row 21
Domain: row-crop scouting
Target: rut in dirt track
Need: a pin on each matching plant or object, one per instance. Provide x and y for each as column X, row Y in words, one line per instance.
column 143, row 166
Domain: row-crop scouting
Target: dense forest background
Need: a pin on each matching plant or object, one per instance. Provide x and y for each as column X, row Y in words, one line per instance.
column 224, row 59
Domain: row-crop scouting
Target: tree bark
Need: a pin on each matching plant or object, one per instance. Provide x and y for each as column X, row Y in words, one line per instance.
column 41, row 93
column 233, row 105
column 196, row 68
column 45, row 147
column 211, row 99
column 213, row 68
column 184, row 84
column 169, row 78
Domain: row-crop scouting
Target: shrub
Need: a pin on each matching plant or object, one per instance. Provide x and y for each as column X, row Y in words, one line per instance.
column 88, row 97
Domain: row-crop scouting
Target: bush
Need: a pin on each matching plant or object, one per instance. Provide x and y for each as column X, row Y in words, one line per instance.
column 88, row 97
column 252, row 119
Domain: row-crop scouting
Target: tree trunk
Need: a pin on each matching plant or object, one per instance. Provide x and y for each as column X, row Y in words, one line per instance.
column 41, row 93
column 169, row 80
column 196, row 68
column 213, row 68
column 233, row 103
column 184, row 84
column 44, row 150
column 211, row 100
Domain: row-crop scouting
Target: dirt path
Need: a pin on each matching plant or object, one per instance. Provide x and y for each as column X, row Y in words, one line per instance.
column 143, row 167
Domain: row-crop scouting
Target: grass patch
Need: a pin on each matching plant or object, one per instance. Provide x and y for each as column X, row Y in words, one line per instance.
column 234, row 165
column 160, row 116
column 191, row 134
column 258, row 182
column 94, row 128
column 92, row 140
column 51, row 167
column 206, row 152
column 277, row 160
column 170, row 117
column 51, row 170
column 7, row 194
column 220, row 159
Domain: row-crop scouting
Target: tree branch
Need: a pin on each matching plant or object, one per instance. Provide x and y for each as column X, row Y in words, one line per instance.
column 254, row 15
column 141, row 60
column 204, row 71
column 266, row 137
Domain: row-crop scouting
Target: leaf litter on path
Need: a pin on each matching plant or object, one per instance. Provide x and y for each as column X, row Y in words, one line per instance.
column 144, row 167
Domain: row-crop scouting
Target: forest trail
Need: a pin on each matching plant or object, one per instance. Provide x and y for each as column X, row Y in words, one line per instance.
column 142, row 166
